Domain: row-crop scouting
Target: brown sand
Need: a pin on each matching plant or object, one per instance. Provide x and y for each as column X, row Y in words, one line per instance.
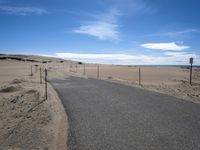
column 171, row 81
column 28, row 121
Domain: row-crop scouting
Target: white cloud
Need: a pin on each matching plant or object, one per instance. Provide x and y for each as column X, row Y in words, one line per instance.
column 167, row 59
column 94, row 56
column 23, row 11
column 177, row 54
column 104, row 27
column 176, row 33
column 102, row 30
column 165, row 46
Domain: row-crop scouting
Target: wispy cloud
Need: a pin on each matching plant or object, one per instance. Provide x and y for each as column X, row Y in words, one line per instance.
column 177, row 54
column 100, row 29
column 104, row 27
column 23, row 11
column 167, row 59
column 165, row 46
column 176, row 33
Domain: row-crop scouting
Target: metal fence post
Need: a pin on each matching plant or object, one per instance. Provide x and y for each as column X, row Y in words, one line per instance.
column 139, row 76
column 70, row 67
column 46, row 83
column 191, row 62
column 84, row 69
column 191, row 74
column 97, row 71
column 40, row 75
column 31, row 70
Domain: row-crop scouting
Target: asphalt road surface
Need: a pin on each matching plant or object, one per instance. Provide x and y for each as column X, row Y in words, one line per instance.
column 109, row 116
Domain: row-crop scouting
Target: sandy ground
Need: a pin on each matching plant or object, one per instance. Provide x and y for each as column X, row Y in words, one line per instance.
column 172, row 81
column 27, row 119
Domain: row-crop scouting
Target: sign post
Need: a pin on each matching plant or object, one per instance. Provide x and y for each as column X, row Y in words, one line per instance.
column 191, row 62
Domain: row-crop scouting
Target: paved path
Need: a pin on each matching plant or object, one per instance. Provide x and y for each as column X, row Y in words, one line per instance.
column 110, row 116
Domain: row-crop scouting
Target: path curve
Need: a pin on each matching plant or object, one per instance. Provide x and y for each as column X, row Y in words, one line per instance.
column 110, row 116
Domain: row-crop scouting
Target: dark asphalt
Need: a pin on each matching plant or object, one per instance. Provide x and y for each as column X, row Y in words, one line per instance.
column 110, row 116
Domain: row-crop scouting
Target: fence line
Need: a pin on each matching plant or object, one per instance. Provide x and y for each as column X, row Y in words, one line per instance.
column 133, row 74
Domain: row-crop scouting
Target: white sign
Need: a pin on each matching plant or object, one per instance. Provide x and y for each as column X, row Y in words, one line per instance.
column 191, row 60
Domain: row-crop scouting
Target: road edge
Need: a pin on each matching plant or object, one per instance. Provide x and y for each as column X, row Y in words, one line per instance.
column 60, row 120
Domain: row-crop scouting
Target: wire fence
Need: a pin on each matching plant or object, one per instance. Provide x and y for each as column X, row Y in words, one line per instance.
column 140, row 75
column 136, row 74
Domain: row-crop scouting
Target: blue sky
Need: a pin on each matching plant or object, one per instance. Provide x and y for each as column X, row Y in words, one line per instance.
column 103, row 31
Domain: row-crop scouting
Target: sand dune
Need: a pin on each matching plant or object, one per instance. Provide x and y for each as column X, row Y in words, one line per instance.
column 28, row 120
